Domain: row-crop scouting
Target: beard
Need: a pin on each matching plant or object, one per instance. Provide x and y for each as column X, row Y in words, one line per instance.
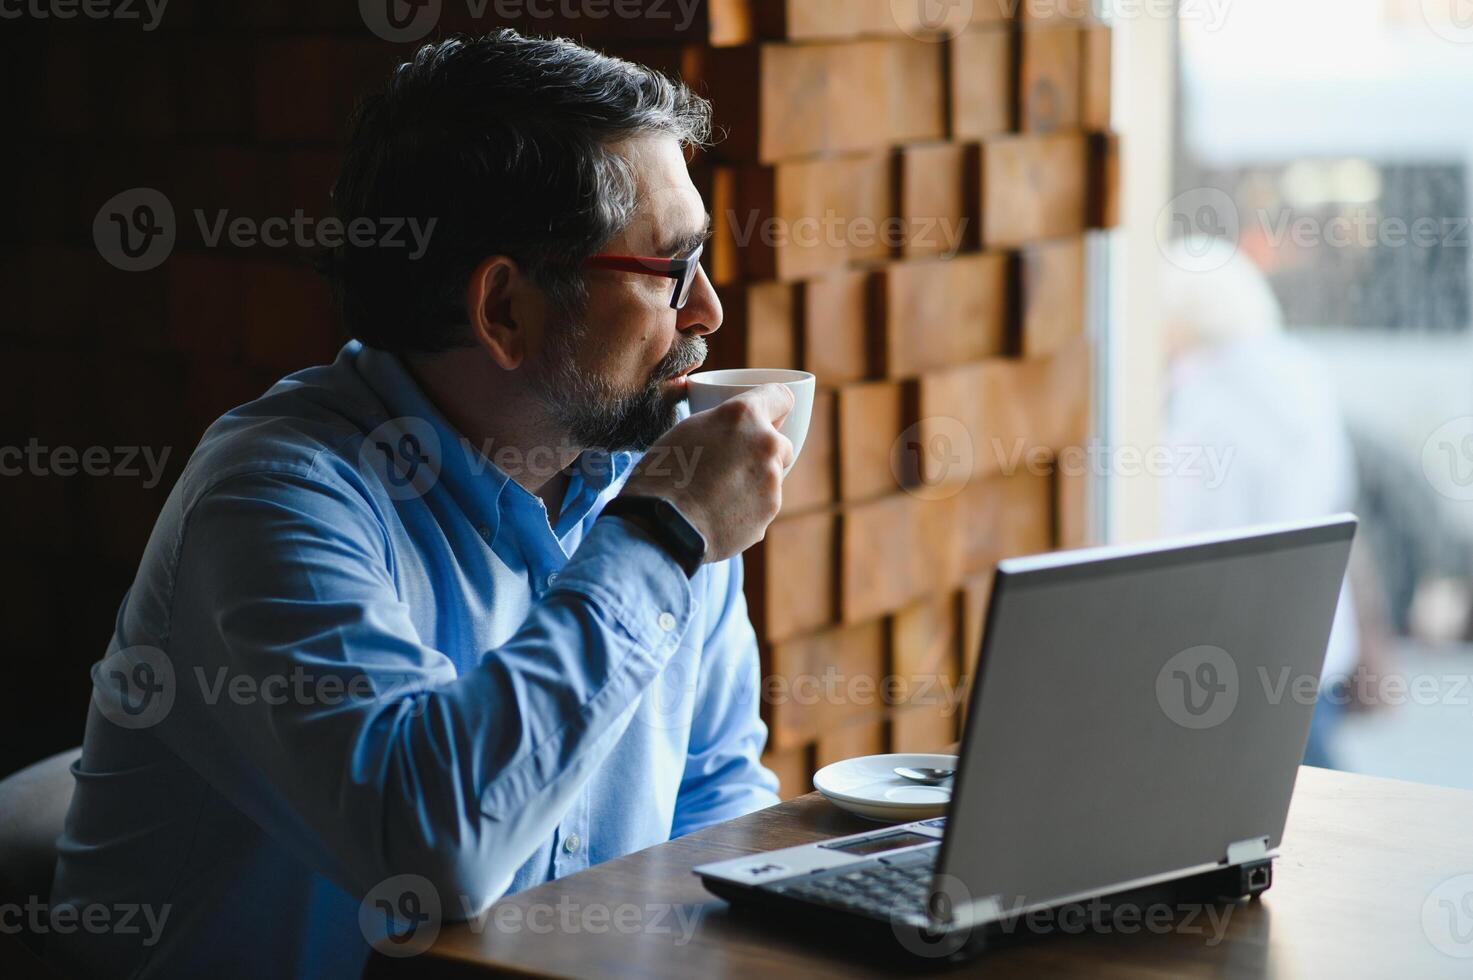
column 597, row 414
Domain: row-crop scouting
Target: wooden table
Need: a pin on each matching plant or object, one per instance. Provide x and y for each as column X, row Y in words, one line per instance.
column 1361, row 860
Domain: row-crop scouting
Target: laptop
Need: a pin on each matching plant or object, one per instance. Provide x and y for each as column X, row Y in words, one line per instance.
column 1134, row 727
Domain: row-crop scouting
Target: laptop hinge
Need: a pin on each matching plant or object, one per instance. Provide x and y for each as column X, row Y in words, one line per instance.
column 1243, row 851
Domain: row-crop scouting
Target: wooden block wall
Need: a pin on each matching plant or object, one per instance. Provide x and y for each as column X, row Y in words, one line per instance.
column 988, row 153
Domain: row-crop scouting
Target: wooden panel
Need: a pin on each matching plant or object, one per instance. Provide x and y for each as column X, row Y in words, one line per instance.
column 1018, row 413
column 1049, row 88
column 783, row 101
column 981, row 84
column 1003, row 517
column 1072, row 489
column 1033, row 187
column 915, row 77
column 1051, row 292
column 1096, row 70
column 871, row 417
column 794, row 769
column 790, row 576
column 924, row 640
column 1057, row 12
column 759, row 328
column 1104, row 182
column 834, row 315
column 895, row 550
column 824, row 681
column 811, row 483
column 851, row 741
column 799, row 219
column 923, row 729
column 973, row 598
column 935, row 198
column 938, row 313
column 772, row 99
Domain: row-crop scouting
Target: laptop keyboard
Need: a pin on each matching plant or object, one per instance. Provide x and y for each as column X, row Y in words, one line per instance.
column 894, row 887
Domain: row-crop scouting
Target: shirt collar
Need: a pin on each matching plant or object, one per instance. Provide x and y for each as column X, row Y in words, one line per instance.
column 480, row 486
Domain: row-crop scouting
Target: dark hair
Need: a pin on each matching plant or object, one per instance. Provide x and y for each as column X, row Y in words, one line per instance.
column 504, row 141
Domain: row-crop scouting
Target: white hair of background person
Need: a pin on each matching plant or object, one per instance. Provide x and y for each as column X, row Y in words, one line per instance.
column 1243, row 390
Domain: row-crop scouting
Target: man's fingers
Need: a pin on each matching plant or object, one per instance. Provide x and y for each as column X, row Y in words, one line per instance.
column 773, row 401
column 785, row 451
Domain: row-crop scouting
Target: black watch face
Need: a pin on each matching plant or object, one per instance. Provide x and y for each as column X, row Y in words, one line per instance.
column 682, row 528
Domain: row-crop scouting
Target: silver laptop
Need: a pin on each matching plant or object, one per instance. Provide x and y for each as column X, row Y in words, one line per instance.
column 1136, row 723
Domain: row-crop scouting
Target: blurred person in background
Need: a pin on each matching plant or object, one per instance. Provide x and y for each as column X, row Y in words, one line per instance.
column 1262, row 404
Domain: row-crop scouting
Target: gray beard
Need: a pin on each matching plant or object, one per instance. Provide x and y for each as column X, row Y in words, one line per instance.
column 597, row 415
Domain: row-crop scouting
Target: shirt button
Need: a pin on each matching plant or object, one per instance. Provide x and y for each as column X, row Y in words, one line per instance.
column 666, row 621
column 551, row 579
column 571, row 843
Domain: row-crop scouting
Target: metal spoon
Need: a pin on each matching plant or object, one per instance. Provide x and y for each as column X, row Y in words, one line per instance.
column 925, row 776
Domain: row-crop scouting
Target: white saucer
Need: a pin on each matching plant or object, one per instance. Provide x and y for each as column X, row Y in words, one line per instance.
column 868, row 786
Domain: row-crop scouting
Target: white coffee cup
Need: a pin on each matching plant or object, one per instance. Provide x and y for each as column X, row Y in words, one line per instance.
column 710, row 388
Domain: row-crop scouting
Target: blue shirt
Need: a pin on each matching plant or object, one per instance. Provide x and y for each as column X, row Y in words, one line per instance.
column 364, row 682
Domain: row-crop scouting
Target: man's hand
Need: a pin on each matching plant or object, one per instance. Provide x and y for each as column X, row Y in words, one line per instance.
column 729, row 481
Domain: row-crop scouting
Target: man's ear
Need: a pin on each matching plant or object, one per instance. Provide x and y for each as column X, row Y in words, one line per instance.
column 488, row 307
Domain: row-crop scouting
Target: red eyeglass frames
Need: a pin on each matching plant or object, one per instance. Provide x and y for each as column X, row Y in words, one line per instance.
column 682, row 269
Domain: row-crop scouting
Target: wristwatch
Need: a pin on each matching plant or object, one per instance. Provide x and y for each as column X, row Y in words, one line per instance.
column 663, row 521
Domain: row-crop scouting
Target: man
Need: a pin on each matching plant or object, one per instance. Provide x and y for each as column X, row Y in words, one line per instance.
column 387, row 656
column 1261, row 405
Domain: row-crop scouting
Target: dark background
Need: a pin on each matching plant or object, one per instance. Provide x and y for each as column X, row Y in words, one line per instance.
column 234, row 105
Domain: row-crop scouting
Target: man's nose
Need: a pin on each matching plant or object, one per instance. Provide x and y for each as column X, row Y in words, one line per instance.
column 702, row 314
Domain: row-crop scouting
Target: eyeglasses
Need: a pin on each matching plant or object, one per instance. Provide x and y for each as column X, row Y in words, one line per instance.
column 682, row 269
